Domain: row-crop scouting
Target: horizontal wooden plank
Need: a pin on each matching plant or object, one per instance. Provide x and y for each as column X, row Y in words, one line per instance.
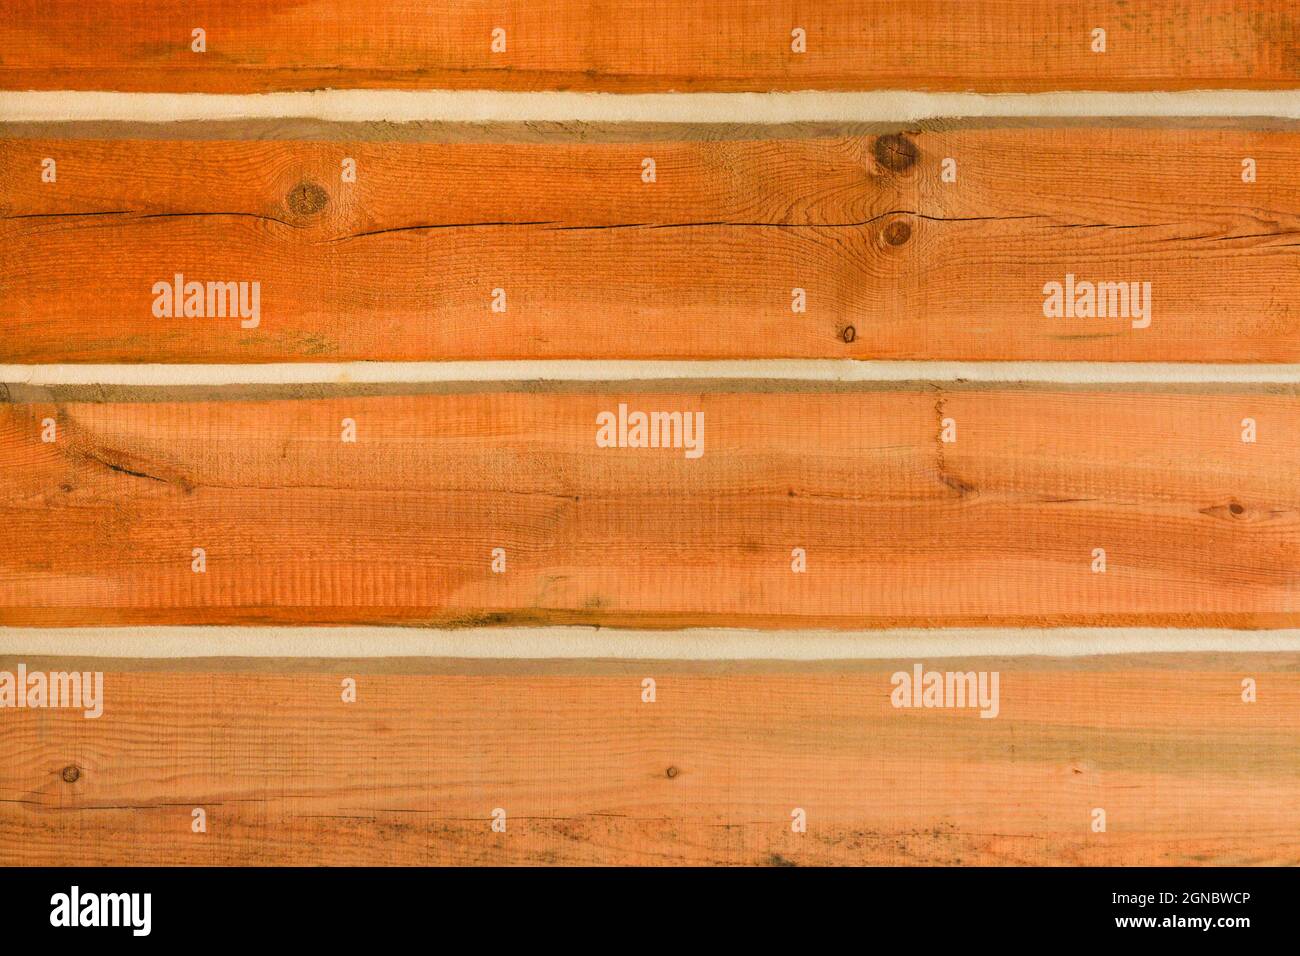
column 1186, row 772
column 592, row 262
column 898, row 526
column 988, row 45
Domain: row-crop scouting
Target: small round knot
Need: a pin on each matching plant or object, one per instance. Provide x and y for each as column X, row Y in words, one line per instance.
column 895, row 152
column 849, row 333
column 71, row 774
column 898, row 232
column 306, row 199
column 672, row 772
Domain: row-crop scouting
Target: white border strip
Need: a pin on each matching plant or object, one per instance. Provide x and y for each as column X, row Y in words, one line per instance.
column 481, row 106
column 693, row 644
column 811, row 370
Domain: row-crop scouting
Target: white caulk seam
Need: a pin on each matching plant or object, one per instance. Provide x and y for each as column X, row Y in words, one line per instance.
column 814, row 370
column 499, row 106
column 692, row 644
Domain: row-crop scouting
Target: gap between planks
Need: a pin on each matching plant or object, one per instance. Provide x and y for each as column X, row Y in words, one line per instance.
column 573, row 643
column 621, row 370
column 481, row 106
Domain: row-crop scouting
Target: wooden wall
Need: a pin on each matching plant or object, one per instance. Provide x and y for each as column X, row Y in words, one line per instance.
column 1147, row 487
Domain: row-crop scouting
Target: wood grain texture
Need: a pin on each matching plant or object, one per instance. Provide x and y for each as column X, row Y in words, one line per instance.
column 900, row 528
column 987, row 45
column 709, row 773
column 594, row 263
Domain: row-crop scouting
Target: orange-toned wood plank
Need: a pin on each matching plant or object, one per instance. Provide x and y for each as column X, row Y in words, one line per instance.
column 989, row 45
column 593, row 262
column 1001, row 526
column 287, row 773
